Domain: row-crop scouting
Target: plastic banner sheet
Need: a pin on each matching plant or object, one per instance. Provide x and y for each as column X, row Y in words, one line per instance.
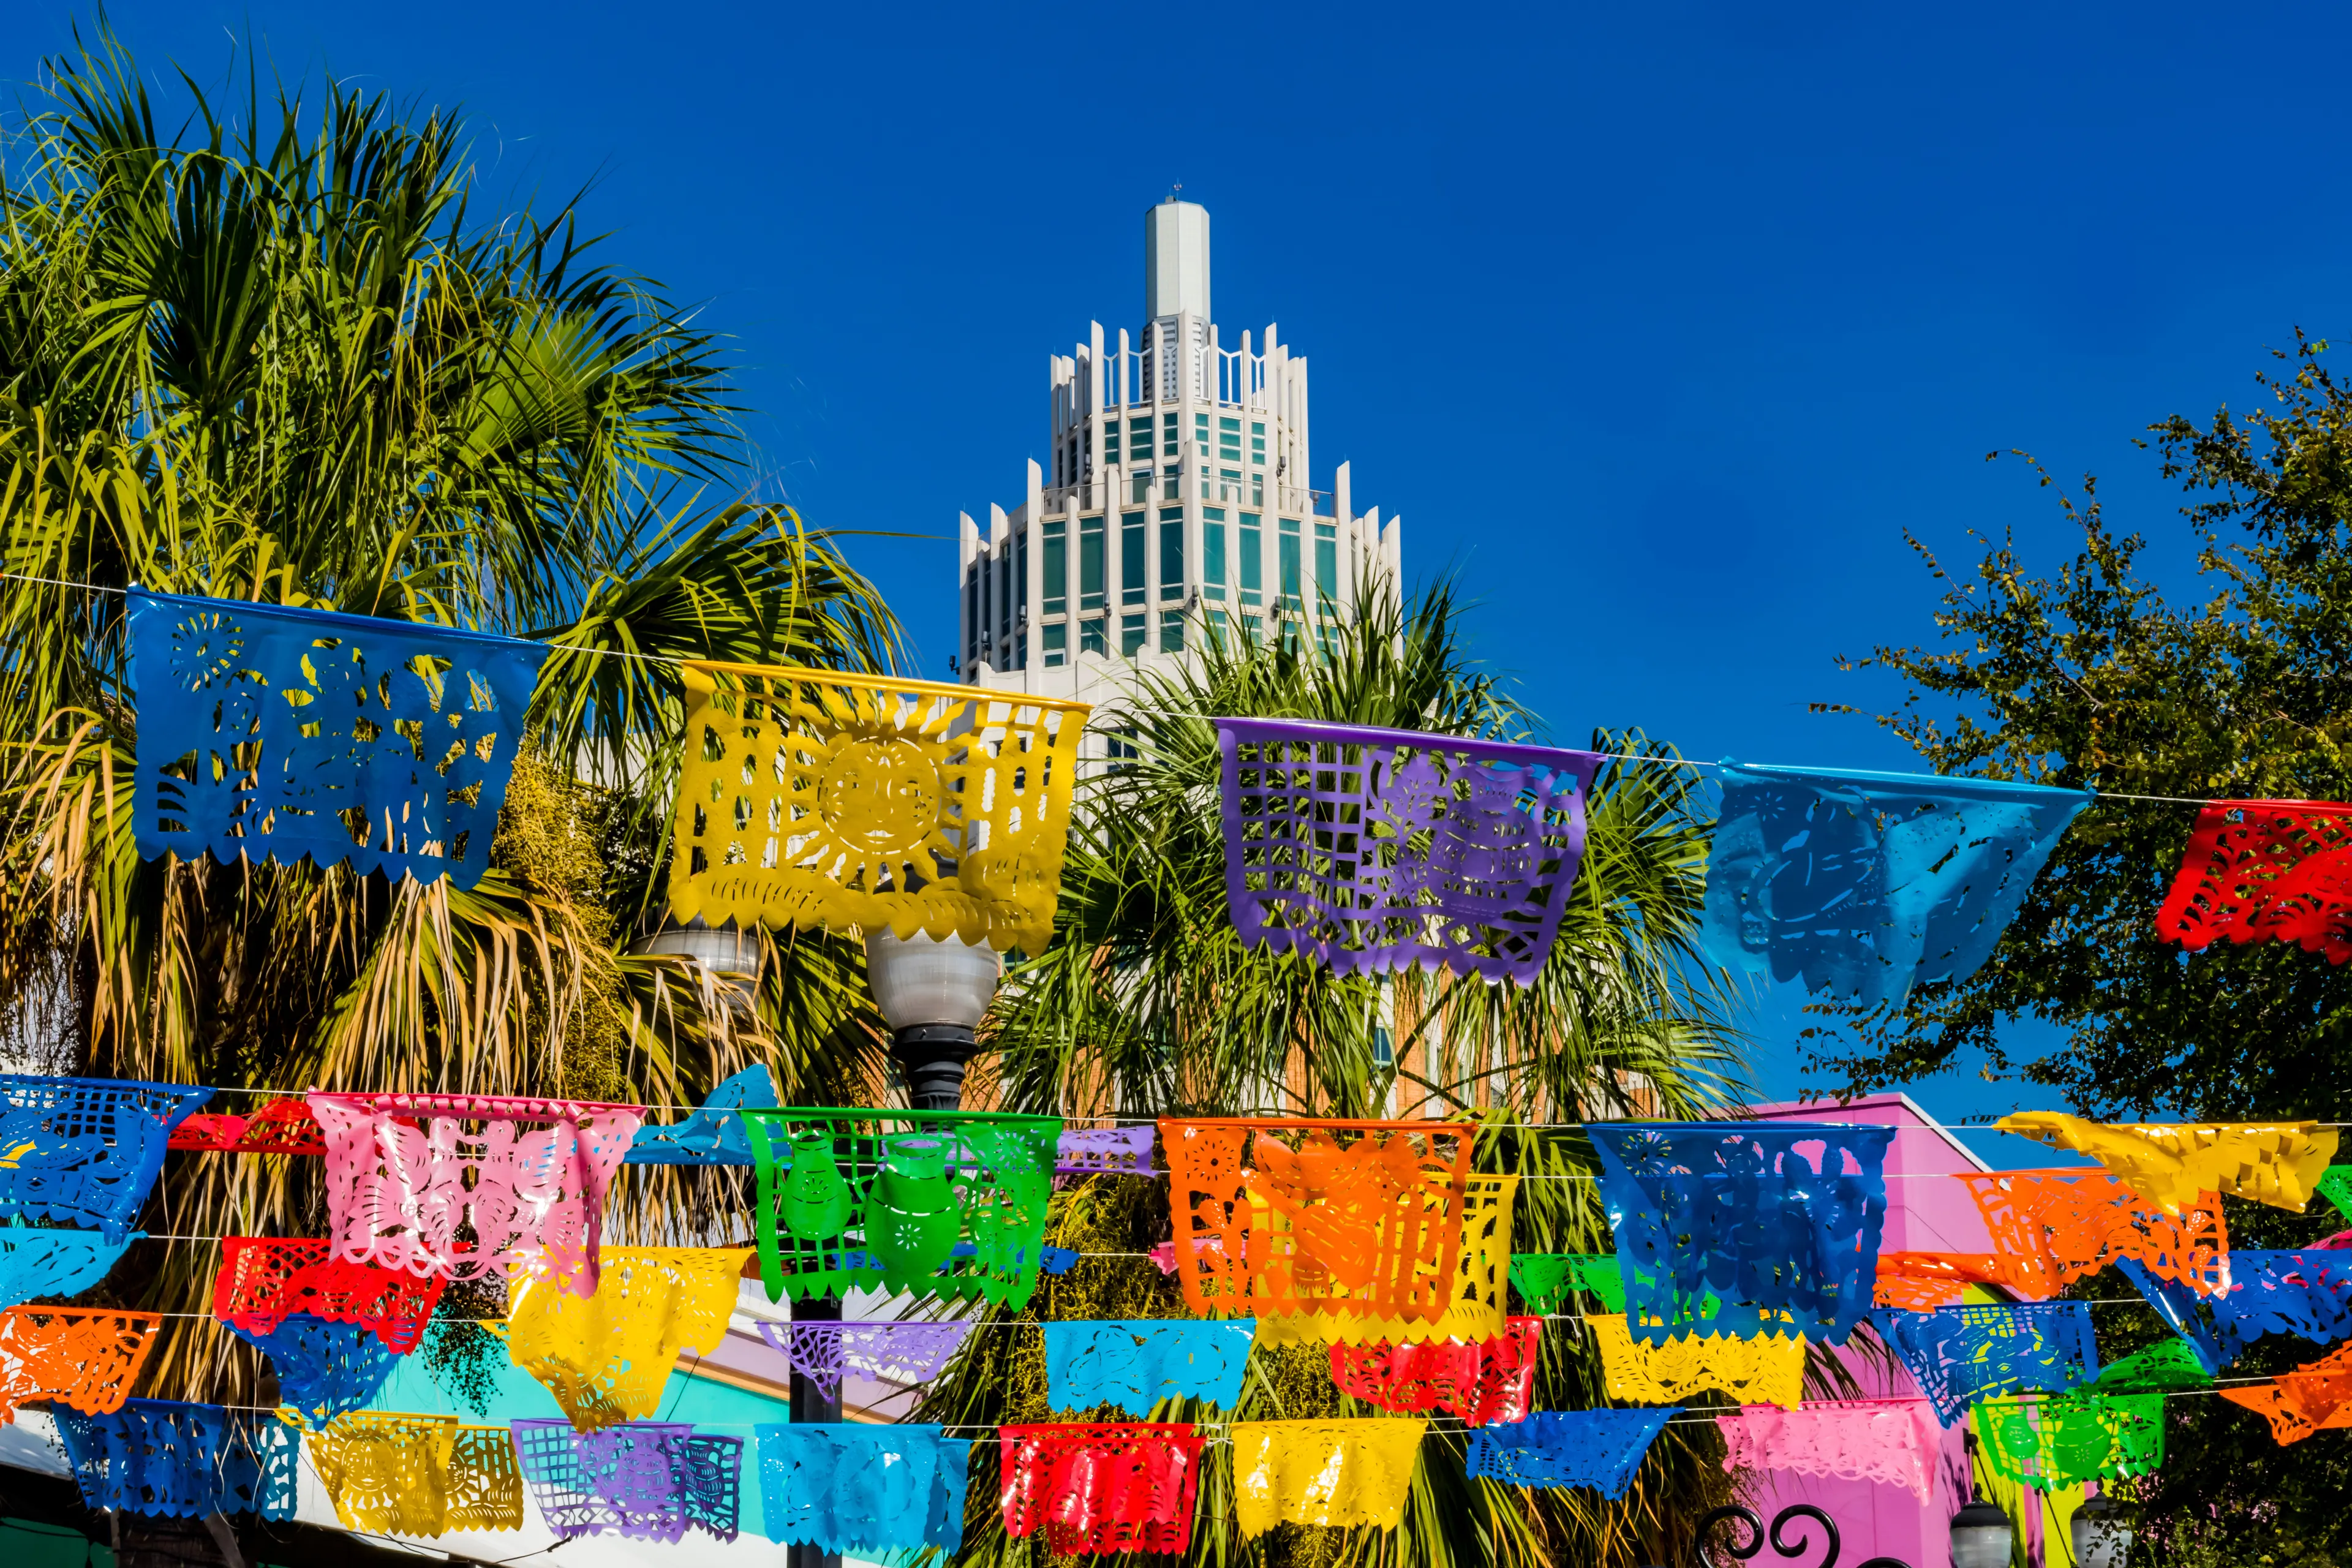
column 1865, row 884
column 1958, row 1355
column 1336, row 1473
column 2264, row 870
column 280, row 1127
column 1603, row 1450
column 35, row 1261
column 863, row 1488
column 2176, row 1164
column 1098, row 1490
column 819, row 797
column 1360, row 1218
column 87, row 1357
column 884, row 1199
column 286, row 734
column 2053, row 1228
column 263, row 1280
column 712, row 1135
column 1134, row 1363
column 2307, row 1293
column 2163, row 1365
column 2334, row 1184
column 2065, row 1440
column 649, row 1479
column 1779, row 1221
column 1767, row 1371
column 608, row 1358
column 2313, row 1398
column 182, row 1462
column 1893, row 1441
column 1482, row 1382
column 405, row 1177
column 1106, row 1151
column 84, row 1152
column 1922, row 1281
column 419, row 1474
column 1371, row 851
column 1475, row 1303
column 909, row 1354
column 323, row 1368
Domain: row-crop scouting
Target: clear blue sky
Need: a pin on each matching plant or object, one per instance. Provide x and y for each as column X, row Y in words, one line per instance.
column 1657, row 324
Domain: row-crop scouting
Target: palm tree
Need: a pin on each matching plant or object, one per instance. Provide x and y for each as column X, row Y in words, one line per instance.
column 285, row 360
column 1147, row 1004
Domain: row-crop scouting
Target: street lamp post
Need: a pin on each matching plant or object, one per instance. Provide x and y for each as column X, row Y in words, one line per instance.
column 933, row 995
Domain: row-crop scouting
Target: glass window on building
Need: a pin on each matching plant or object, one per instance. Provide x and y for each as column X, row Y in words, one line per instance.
column 1257, row 442
column 1326, row 562
column 1212, row 552
column 1120, row 750
column 1252, row 563
column 1219, row 633
column 1131, row 636
column 1131, row 558
column 1091, row 564
column 1056, row 639
column 1110, row 442
column 1142, row 486
column 1171, row 631
column 1289, row 553
column 1250, row 628
column 1092, row 635
column 1058, row 567
column 1171, row 440
column 1171, row 553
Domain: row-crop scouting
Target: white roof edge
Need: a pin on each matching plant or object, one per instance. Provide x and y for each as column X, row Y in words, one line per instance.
column 1970, row 1155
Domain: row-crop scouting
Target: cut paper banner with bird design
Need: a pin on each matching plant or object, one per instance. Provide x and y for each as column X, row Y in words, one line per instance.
column 1865, row 884
column 271, row 732
column 1371, row 850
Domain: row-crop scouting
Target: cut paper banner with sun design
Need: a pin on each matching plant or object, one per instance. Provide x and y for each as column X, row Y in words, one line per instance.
column 284, row 734
column 1866, row 884
column 1374, row 849
column 2265, row 870
column 419, row 1474
column 816, row 797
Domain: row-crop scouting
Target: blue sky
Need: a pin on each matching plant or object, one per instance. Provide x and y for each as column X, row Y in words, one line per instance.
column 1658, row 324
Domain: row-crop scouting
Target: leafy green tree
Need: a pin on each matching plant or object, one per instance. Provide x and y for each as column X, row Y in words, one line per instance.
column 2090, row 676
column 282, row 356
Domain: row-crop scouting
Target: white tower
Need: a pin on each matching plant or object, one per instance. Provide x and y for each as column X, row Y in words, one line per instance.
column 1178, row 508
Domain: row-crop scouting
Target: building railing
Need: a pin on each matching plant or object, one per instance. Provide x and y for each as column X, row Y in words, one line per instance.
column 1143, row 487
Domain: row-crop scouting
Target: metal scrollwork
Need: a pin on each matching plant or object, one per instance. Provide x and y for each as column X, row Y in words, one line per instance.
column 1787, row 1542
